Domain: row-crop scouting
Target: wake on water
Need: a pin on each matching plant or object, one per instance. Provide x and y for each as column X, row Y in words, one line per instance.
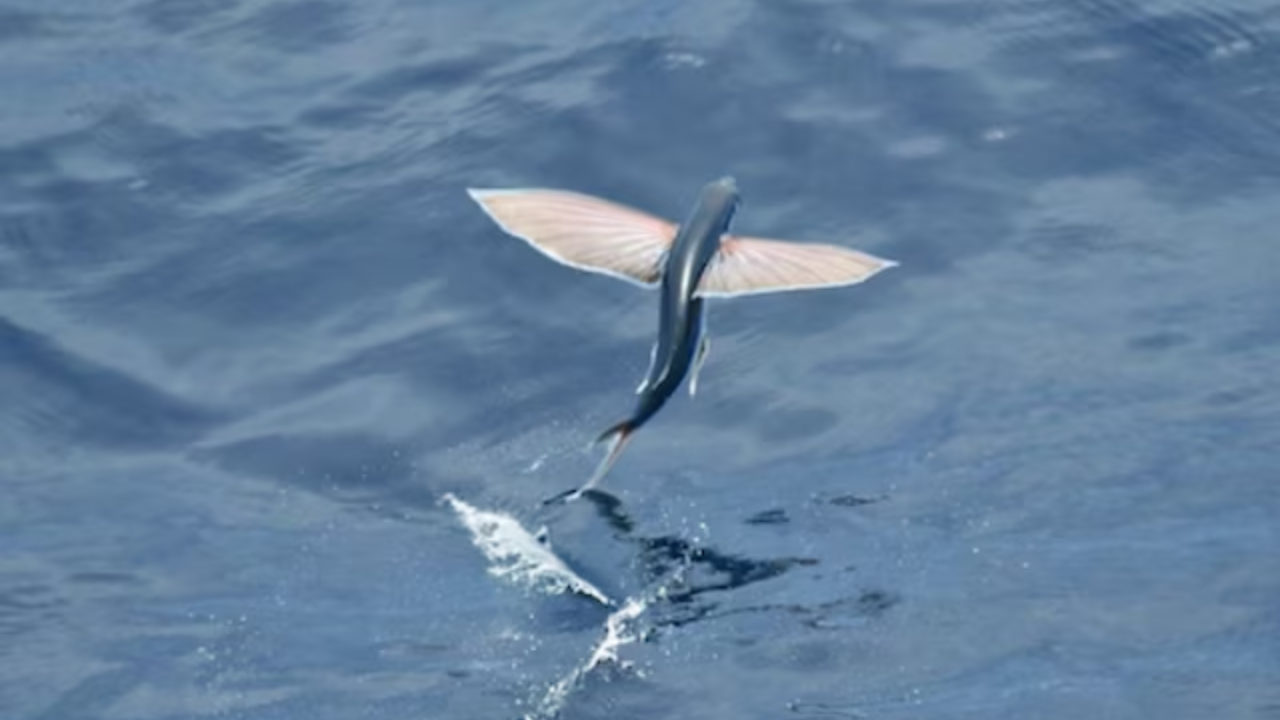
column 520, row 556
column 525, row 558
column 676, row 572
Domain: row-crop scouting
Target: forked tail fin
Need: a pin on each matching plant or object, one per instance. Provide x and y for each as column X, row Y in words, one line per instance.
column 626, row 427
column 618, row 436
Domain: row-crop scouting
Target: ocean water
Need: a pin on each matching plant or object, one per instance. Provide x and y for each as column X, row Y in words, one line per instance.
column 278, row 403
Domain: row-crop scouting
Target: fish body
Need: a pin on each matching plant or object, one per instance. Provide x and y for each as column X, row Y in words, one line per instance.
column 681, row 312
column 687, row 263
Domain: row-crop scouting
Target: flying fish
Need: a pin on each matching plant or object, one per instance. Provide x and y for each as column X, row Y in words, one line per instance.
column 687, row 263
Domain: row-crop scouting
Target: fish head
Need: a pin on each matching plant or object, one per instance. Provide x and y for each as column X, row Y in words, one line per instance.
column 723, row 193
column 720, row 200
column 708, row 223
column 727, row 182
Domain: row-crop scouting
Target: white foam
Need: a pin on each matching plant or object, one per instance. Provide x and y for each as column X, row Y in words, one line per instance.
column 616, row 635
column 519, row 556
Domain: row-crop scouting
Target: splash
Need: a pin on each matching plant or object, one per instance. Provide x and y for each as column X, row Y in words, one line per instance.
column 616, row 634
column 519, row 556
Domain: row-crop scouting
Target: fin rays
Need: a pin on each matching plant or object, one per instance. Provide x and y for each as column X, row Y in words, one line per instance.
column 753, row 266
column 595, row 235
column 583, row 232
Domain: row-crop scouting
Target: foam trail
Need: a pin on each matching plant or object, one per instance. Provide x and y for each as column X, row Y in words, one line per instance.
column 519, row 556
column 615, row 636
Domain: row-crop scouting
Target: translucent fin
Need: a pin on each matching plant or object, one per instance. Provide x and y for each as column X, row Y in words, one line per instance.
column 582, row 231
column 704, row 345
column 752, row 266
column 653, row 358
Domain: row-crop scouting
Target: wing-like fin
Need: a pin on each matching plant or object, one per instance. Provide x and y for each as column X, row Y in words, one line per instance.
column 582, row 231
column 752, row 266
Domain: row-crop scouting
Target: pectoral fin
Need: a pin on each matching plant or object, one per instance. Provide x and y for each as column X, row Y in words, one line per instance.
column 583, row 232
column 646, row 383
column 703, row 346
column 751, row 266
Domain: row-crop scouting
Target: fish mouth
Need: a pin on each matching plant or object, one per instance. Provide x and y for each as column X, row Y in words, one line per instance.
column 727, row 182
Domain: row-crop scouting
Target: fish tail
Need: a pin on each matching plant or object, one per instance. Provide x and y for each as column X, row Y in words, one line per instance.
column 622, row 429
column 617, row 436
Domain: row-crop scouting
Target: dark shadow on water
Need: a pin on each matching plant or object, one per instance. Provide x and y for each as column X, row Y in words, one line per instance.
column 689, row 576
column 609, row 507
column 775, row 516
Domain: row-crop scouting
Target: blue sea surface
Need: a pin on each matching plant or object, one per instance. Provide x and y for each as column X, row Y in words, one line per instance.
column 253, row 333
